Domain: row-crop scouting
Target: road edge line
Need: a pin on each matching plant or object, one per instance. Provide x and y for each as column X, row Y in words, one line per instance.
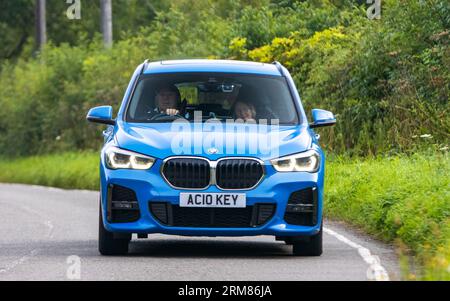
column 376, row 271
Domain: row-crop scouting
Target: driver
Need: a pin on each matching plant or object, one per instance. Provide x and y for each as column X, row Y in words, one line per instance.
column 168, row 100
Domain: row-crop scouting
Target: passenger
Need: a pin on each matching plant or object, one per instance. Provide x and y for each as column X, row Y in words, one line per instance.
column 244, row 110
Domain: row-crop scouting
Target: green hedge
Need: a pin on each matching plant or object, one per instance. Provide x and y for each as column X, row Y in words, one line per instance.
column 386, row 80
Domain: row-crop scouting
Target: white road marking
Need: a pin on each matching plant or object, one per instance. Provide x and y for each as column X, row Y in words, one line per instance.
column 50, row 227
column 376, row 270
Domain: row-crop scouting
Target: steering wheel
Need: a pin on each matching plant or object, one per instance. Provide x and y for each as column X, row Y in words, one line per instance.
column 165, row 117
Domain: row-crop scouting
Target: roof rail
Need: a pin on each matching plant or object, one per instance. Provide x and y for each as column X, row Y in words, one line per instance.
column 144, row 66
column 279, row 67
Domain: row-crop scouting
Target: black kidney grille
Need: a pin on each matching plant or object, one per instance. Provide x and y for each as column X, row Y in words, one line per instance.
column 238, row 173
column 187, row 172
column 176, row 216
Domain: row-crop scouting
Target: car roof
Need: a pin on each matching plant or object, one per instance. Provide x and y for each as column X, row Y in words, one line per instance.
column 204, row 65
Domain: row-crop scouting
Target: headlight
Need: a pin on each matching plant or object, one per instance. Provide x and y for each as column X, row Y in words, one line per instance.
column 308, row 161
column 117, row 158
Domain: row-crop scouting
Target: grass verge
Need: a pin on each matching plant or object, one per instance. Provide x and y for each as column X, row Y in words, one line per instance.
column 67, row 170
column 398, row 199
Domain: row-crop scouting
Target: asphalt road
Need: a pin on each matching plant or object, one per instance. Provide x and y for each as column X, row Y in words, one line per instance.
column 42, row 229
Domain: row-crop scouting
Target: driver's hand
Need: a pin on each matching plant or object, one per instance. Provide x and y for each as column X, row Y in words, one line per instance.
column 172, row 112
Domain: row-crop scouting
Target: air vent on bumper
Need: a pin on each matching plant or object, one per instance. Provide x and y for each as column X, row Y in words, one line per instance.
column 302, row 207
column 176, row 216
column 122, row 205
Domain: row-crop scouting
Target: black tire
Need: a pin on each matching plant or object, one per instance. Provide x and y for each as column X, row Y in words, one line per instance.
column 309, row 247
column 107, row 244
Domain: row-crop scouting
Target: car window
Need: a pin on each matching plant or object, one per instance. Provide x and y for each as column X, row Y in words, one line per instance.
column 212, row 95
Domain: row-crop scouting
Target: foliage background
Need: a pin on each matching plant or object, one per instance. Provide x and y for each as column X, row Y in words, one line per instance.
column 386, row 80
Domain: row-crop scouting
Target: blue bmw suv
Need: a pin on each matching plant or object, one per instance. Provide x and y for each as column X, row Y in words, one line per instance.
column 211, row 148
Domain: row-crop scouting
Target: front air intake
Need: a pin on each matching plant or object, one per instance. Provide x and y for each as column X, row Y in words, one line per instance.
column 302, row 207
column 123, row 206
column 176, row 216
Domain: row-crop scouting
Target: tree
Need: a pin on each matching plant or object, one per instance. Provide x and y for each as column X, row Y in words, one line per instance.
column 16, row 25
column 106, row 12
column 41, row 27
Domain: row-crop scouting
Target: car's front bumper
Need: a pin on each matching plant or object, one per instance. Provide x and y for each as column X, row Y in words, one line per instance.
column 149, row 186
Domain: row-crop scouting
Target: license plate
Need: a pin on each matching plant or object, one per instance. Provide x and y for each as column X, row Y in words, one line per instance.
column 219, row 200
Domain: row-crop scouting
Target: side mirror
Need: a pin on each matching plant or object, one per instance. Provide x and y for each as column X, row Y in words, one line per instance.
column 101, row 114
column 322, row 118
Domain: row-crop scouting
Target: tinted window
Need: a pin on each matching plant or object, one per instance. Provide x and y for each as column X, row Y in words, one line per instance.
column 211, row 95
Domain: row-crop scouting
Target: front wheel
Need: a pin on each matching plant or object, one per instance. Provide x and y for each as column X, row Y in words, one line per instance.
column 311, row 247
column 107, row 244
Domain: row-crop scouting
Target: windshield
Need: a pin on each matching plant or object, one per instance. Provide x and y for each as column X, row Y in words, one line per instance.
column 201, row 96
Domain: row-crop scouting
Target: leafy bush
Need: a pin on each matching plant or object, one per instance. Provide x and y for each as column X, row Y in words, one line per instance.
column 386, row 80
